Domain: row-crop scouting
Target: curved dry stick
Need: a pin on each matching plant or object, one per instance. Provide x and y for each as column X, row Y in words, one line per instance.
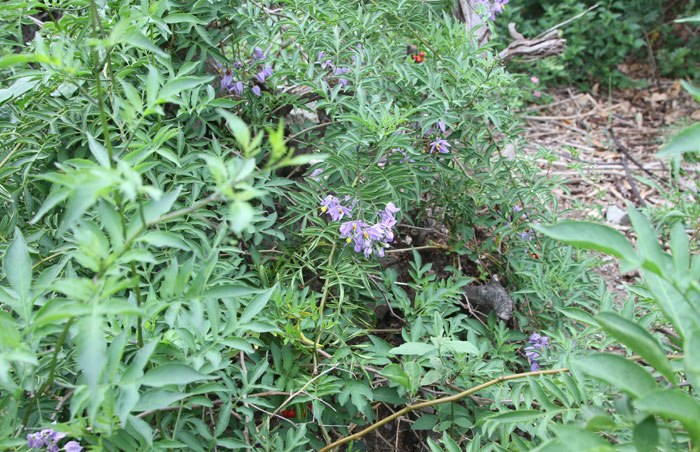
column 448, row 399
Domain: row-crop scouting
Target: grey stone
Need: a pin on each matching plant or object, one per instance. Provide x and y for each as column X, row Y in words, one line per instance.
column 615, row 215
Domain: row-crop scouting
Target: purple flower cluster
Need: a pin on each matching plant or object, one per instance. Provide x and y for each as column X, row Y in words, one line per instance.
column 367, row 239
column 532, row 351
column 230, row 81
column 331, row 205
column 497, row 7
column 337, row 71
column 49, row 439
column 371, row 239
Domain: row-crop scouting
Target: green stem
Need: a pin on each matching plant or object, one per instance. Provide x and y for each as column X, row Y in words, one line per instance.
column 322, row 307
column 52, row 371
column 98, row 82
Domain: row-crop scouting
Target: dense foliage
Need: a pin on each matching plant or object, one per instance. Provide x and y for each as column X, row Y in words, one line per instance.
column 249, row 225
column 613, row 33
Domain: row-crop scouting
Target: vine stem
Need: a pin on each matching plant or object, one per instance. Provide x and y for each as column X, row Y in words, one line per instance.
column 456, row 397
column 321, row 308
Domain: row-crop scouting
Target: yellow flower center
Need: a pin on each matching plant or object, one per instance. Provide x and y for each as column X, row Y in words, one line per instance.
column 323, row 209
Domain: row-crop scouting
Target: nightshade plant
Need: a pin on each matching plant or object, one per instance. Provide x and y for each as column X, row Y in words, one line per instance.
column 179, row 181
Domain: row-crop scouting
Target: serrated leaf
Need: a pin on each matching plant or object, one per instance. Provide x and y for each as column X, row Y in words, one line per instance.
column 619, row 372
column 638, row 340
column 172, row 374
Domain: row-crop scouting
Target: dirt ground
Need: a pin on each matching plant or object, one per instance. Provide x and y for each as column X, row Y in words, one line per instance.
column 603, row 147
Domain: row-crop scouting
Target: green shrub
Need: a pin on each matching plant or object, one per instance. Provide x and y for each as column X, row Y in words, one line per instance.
column 616, row 32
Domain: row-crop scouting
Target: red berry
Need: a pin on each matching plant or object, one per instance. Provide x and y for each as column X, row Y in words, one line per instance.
column 289, row 414
column 422, row 54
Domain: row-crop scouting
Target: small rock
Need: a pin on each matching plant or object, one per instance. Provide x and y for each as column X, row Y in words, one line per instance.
column 615, row 215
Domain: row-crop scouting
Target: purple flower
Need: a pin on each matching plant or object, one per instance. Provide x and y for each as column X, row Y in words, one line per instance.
column 237, row 88
column 320, row 57
column 256, row 90
column 264, row 74
column 532, row 351
column 72, row 446
column 332, row 206
column 258, row 53
column 35, row 441
column 46, row 438
column 350, row 229
column 343, row 82
column 442, row 126
column 226, row 82
column 527, row 235
column 439, row 146
column 405, row 157
column 341, row 70
column 327, row 63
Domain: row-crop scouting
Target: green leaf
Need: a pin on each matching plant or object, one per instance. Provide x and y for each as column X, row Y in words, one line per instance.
column 584, row 440
column 174, row 87
column 412, row 348
column 395, row 373
column 256, row 305
column 646, row 435
column 619, row 372
column 240, row 215
column 157, row 399
column 238, row 127
column 591, row 236
column 648, row 247
column 92, row 349
column 98, row 151
column 22, row 58
column 692, row 90
column 688, row 140
column 425, row 422
column 674, row 404
column 164, row 239
column 231, row 443
column 680, row 248
column 692, row 358
column 137, row 39
column 157, row 207
column 519, row 416
column 179, row 18
column 172, row 374
column 230, row 291
column 18, row 270
column 638, row 340
column 460, row 347
column 143, row 428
